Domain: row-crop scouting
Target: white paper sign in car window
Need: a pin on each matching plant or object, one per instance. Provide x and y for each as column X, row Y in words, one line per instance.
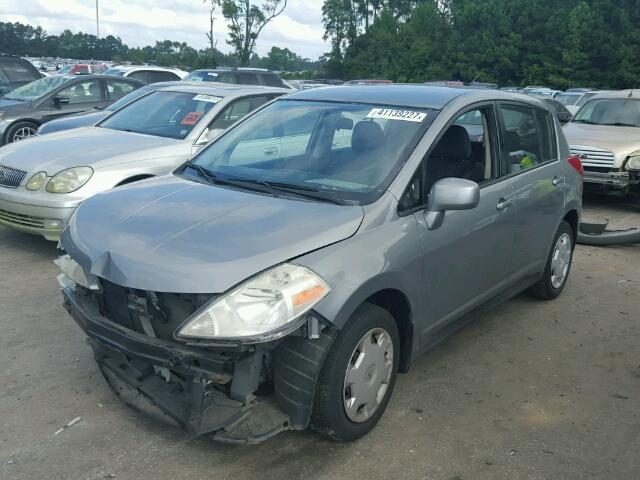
column 391, row 114
column 207, row 98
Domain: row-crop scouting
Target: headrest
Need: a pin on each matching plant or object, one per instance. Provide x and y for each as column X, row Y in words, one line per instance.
column 454, row 144
column 367, row 136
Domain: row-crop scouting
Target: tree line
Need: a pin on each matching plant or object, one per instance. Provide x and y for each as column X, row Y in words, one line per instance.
column 559, row 43
column 26, row 40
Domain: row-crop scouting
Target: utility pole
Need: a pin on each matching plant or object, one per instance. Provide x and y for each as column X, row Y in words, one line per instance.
column 97, row 21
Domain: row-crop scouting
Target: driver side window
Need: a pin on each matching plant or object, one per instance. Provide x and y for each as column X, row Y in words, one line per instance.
column 464, row 150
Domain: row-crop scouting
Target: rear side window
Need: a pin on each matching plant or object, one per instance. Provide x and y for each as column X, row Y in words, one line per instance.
column 139, row 75
column 17, row 71
column 526, row 137
column 155, row 77
column 118, row 89
column 271, row 80
column 248, row 79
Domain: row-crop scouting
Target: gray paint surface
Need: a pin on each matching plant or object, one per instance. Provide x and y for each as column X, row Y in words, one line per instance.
column 174, row 236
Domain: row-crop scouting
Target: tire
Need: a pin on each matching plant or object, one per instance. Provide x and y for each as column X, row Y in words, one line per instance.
column 19, row 131
column 329, row 417
column 550, row 286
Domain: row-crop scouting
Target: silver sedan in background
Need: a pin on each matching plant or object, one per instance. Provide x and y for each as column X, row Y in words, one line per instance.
column 42, row 181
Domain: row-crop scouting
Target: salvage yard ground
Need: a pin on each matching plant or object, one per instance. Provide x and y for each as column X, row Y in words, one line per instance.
column 530, row 390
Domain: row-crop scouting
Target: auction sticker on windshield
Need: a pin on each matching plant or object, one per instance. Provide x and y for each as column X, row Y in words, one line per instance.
column 207, row 98
column 391, row 114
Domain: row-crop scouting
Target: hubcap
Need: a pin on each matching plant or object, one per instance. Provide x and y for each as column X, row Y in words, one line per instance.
column 22, row 133
column 561, row 260
column 368, row 374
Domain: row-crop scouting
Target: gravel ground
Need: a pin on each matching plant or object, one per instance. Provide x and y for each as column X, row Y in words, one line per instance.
column 531, row 390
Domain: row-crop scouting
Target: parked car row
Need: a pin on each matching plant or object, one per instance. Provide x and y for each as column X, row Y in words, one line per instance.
column 246, row 260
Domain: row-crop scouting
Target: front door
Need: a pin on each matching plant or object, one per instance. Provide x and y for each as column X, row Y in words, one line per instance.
column 467, row 259
column 80, row 97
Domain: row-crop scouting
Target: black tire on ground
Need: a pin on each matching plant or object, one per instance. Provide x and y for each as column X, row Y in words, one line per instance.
column 329, row 417
column 11, row 132
column 545, row 289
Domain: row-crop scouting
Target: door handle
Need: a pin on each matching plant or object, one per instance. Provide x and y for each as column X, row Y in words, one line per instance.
column 504, row 203
column 556, row 181
column 270, row 150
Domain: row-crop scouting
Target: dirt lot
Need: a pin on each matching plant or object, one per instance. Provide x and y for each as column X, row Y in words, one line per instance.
column 529, row 391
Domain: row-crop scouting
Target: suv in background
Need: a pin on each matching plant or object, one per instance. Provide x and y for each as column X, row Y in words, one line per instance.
column 241, row 76
column 15, row 72
column 604, row 134
column 147, row 73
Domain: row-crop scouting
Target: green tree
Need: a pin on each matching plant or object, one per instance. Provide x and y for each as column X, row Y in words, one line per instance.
column 245, row 21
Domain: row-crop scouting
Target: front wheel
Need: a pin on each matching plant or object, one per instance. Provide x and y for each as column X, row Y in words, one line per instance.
column 358, row 375
column 558, row 265
column 21, row 131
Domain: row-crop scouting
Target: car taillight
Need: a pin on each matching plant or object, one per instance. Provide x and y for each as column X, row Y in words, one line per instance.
column 575, row 162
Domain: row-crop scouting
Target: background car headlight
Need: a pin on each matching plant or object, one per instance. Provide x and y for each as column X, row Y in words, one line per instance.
column 263, row 308
column 634, row 162
column 69, row 180
column 37, row 181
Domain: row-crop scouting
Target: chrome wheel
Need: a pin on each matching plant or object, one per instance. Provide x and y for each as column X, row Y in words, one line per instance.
column 561, row 260
column 368, row 374
column 23, row 132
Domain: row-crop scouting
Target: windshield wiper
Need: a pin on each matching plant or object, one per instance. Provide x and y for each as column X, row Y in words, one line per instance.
column 264, row 186
column 620, row 124
column 303, row 191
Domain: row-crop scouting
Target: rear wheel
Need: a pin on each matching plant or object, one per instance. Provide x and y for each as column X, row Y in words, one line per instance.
column 20, row 131
column 358, row 375
column 558, row 266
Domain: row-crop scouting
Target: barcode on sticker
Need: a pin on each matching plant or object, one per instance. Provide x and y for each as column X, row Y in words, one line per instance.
column 391, row 114
column 207, row 98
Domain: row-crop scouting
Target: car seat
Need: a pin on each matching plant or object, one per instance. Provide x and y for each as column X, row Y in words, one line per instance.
column 449, row 157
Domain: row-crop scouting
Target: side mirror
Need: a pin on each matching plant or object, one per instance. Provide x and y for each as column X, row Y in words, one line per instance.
column 564, row 117
column 61, row 100
column 450, row 194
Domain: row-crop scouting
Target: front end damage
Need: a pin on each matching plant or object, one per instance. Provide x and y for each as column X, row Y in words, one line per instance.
column 239, row 393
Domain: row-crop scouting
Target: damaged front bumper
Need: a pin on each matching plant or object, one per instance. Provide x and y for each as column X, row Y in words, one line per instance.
column 203, row 390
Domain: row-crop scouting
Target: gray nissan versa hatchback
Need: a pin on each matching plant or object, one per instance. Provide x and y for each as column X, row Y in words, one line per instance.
column 283, row 276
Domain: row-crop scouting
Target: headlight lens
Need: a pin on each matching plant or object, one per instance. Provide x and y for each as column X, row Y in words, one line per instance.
column 69, row 180
column 263, row 308
column 633, row 163
column 37, row 181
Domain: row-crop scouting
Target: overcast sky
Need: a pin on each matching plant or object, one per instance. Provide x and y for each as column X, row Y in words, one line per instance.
column 142, row 22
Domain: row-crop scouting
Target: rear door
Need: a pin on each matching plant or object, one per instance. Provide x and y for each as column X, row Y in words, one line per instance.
column 530, row 159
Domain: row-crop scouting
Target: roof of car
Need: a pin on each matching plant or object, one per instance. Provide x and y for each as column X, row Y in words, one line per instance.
column 99, row 76
column 615, row 94
column 406, row 95
column 221, row 89
column 145, row 67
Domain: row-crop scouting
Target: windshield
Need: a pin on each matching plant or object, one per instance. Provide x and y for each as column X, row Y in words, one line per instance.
column 129, row 98
column 162, row 114
column 623, row 112
column 114, row 71
column 346, row 152
column 37, row 88
column 568, row 98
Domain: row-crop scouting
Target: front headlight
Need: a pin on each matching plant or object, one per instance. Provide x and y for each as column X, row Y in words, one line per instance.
column 36, row 182
column 634, row 161
column 263, row 308
column 69, row 180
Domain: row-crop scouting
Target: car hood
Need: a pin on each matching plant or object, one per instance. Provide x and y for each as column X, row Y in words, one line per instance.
column 620, row 140
column 7, row 105
column 90, row 146
column 173, row 235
